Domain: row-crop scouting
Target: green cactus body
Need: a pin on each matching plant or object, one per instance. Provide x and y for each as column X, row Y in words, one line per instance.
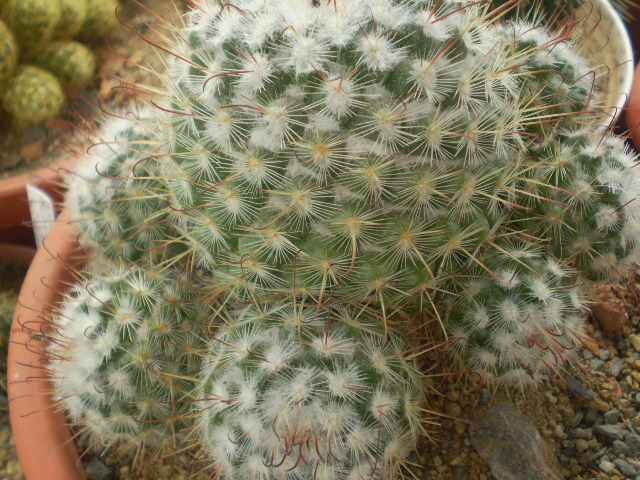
column 8, row 53
column 295, row 392
column 32, row 95
column 71, row 62
column 122, row 356
column 371, row 153
column 344, row 158
column 591, row 216
column 32, row 22
column 124, row 183
column 522, row 323
column 99, row 20
column 72, row 18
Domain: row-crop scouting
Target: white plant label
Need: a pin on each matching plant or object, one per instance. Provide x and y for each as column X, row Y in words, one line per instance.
column 43, row 212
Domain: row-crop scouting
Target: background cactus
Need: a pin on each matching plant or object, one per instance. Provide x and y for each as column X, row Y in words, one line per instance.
column 100, row 19
column 72, row 18
column 27, row 38
column 122, row 356
column 293, row 392
column 71, row 62
column 32, row 95
column 8, row 53
column 31, row 21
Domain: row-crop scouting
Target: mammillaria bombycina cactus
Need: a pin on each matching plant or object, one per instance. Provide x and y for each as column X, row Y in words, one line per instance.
column 293, row 391
column 367, row 152
column 123, row 358
column 521, row 323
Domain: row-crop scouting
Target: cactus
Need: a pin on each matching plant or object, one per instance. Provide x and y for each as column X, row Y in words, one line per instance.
column 122, row 356
column 8, row 53
column 72, row 18
column 295, row 392
column 521, row 323
column 326, row 171
column 370, row 153
column 31, row 21
column 32, row 95
column 71, row 62
column 122, row 183
column 370, row 148
column 100, row 19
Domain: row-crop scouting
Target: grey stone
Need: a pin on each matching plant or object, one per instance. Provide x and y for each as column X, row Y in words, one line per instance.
column 625, row 467
column 604, row 354
column 485, row 396
column 587, row 354
column 512, row 446
column 616, row 366
column 579, row 390
column 597, row 365
column 97, row 470
column 611, row 416
column 620, row 448
column 615, row 432
column 598, row 454
column 633, row 442
column 624, row 386
column 635, row 464
column 606, row 467
column 577, row 418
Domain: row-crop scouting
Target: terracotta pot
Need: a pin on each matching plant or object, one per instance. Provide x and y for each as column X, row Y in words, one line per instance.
column 15, row 206
column 11, row 253
column 43, row 438
column 633, row 109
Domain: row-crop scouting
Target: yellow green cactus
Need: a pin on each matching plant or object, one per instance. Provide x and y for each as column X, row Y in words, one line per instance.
column 8, row 53
column 31, row 21
column 100, row 19
column 71, row 62
column 32, row 96
column 72, row 16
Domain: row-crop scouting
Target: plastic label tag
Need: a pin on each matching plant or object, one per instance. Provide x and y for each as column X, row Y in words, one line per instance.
column 43, row 212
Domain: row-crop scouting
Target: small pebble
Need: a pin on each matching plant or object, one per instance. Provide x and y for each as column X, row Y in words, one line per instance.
column 635, row 341
column 620, row 448
column 97, row 470
column 606, row 467
column 611, row 416
column 625, row 467
column 577, row 418
column 598, row 454
column 582, row 445
column 612, row 431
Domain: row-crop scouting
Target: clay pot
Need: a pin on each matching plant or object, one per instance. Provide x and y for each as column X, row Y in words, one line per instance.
column 43, row 438
column 22, row 254
column 15, row 206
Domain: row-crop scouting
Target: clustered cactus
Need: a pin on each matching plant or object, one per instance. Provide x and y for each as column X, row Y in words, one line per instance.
column 322, row 176
column 39, row 58
column 125, row 357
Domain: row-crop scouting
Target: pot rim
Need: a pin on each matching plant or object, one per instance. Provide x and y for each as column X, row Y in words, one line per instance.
column 44, row 442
